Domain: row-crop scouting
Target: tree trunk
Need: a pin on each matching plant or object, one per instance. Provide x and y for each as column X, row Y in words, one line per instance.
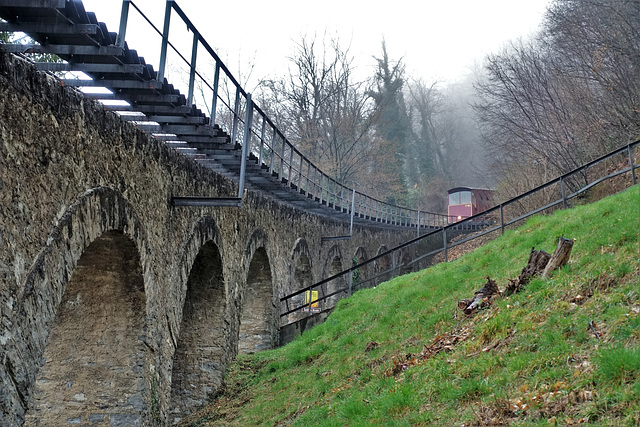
column 537, row 262
column 560, row 256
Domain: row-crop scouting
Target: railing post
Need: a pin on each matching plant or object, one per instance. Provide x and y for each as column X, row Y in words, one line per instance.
column 246, row 145
column 308, row 176
column 124, row 17
column 502, row 217
column 418, row 228
column 562, row 192
column 350, row 274
column 262, row 131
column 353, row 211
column 165, row 40
column 214, row 101
column 284, row 145
column 290, row 166
column 332, row 192
column 273, row 150
column 300, row 174
column 236, row 116
column 631, row 164
column 444, row 243
column 192, row 72
column 320, row 181
column 315, row 183
column 367, row 209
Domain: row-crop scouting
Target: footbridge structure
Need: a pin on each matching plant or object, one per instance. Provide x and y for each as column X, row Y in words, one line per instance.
column 142, row 246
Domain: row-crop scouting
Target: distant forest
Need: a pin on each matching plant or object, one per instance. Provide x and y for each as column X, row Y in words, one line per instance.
column 538, row 108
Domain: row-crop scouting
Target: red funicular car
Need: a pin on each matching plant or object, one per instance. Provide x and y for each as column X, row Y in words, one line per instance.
column 465, row 202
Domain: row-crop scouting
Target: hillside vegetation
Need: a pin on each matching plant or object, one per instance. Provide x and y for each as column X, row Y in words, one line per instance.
column 564, row 351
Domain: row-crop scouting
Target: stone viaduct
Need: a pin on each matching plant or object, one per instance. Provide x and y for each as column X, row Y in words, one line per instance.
column 117, row 308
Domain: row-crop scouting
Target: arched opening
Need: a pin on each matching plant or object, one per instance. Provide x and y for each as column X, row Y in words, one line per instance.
column 94, row 366
column 258, row 327
column 334, row 286
column 360, row 276
column 383, row 266
column 302, row 277
column 405, row 262
column 198, row 363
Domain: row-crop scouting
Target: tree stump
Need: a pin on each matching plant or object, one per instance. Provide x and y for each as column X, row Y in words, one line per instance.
column 537, row 262
column 560, row 256
column 540, row 263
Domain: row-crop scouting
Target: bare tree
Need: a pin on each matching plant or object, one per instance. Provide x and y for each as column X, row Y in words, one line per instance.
column 324, row 110
column 570, row 94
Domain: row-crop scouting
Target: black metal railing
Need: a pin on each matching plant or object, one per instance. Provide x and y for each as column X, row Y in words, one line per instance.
column 419, row 252
column 262, row 142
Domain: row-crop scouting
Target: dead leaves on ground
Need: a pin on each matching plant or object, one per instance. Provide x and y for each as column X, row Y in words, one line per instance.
column 548, row 402
column 443, row 342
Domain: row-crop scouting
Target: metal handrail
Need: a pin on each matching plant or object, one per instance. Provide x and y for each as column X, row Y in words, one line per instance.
column 292, row 167
column 478, row 218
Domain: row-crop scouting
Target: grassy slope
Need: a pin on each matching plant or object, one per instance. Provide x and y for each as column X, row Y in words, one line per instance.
column 531, row 359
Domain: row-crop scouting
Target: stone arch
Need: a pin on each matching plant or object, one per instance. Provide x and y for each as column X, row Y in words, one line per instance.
column 332, row 267
column 201, row 354
column 360, row 275
column 301, row 275
column 383, row 264
column 258, row 319
column 89, row 282
column 301, row 267
column 404, row 259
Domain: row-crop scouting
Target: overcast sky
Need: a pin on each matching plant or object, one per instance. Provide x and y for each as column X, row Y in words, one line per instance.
column 438, row 40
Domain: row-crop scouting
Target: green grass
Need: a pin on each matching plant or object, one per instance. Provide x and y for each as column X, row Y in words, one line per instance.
column 531, row 359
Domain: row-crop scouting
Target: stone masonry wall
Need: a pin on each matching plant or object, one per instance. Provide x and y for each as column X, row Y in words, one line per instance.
column 70, row 173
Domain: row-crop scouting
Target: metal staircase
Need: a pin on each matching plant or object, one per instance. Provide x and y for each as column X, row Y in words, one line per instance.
column 65, row 29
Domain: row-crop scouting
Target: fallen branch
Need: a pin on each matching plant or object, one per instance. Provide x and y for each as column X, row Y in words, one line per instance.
column 480, row 298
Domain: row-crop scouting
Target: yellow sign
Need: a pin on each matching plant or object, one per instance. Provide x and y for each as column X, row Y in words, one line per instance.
column 311, row 296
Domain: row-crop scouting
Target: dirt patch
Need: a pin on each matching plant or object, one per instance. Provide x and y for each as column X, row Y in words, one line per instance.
column 602, row 284
column 548, row 403
column 230, row 397
column 443, row 342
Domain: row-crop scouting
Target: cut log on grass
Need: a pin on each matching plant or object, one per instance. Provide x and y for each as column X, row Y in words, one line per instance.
column 480, row 298
column 538, row 260
column 560, row 256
